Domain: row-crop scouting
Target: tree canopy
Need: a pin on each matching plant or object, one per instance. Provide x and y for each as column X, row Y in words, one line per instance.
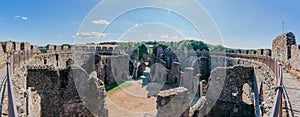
column 142, row 49
column 192, row 45
column 154, row 49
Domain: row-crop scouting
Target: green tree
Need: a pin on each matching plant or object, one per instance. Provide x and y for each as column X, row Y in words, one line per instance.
column 218, row 48
column 192, row 45
column 142, row 49
column 154, row 49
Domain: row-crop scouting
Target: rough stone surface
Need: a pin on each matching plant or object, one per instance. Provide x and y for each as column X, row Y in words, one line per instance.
column 295, row 61
column 281, row 48
column 25, row 46
column 56, row 92
column 189, row 81
column 3, row 57
column 235, row 98
column 175, row 73
column 173, row 103
column 17, row 46
column 107, row 69
column 7, row 46
column 202, row 66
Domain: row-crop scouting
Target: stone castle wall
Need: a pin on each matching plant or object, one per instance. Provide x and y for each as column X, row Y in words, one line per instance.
column 287, row 51
column 295, row 61
column 281, row 48
column 236, row 96
column 54, row 93
column 24, row 54
column 284, row 49
column 263, row 81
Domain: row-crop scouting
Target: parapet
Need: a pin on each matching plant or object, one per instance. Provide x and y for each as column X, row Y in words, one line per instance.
column 7, row 46
column 65, row 47
column 25, row 46
column 50, row 47
column 17, row 46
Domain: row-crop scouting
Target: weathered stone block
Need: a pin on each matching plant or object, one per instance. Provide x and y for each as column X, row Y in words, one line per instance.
column 7, row 46
column 65, row 47
column 62, row 93
column 202, row 66
column 50, row 47
column 25, row 46
column 231, row 89
column 281, row 48
column 57, row 47
column 175, row 75
column 17, row 46
column 173, row 103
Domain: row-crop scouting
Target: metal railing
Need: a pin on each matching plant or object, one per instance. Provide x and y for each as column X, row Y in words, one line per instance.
column 12, row 109
column 277, row 108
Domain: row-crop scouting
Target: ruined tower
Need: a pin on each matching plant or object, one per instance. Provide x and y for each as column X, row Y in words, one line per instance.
column 281, row 47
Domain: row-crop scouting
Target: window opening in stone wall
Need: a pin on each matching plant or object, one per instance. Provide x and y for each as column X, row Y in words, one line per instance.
column 289, row 52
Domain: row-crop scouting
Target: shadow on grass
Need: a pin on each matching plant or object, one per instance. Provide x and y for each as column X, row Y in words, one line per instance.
column 115, row 86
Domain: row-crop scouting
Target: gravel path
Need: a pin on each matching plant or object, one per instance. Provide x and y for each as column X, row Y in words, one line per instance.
column 292, row 87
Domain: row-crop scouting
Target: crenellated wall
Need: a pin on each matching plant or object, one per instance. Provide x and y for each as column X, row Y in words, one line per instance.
column 45, row 66
column 105, row 64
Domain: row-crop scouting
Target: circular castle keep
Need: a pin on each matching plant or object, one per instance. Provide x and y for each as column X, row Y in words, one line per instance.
column 77, row 80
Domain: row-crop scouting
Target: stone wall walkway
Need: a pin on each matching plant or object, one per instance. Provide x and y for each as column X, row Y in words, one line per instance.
column 2, row 89
column 292, row 87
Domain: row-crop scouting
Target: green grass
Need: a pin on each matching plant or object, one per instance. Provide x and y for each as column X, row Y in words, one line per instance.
column 116, row 87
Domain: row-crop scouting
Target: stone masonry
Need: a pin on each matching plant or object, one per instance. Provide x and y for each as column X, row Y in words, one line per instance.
column 281, row 48
column 53, row 93
column 230, row 93
column 173, row 103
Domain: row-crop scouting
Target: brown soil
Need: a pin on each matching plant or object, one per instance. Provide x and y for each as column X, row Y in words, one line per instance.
column 131, row 101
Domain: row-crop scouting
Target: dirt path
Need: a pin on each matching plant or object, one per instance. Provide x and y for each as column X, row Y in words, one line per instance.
column 131, row 101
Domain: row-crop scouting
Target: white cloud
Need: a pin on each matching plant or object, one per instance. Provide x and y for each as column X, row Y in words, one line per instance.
column 21, row 17
column 136, row 25
column 175, row 37
column 17, row 17
column 164, row 36
column 89, row 35
column 24, row 18
column 101, row 22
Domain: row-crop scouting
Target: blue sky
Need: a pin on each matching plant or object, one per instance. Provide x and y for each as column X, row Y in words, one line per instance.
column 242, row 24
